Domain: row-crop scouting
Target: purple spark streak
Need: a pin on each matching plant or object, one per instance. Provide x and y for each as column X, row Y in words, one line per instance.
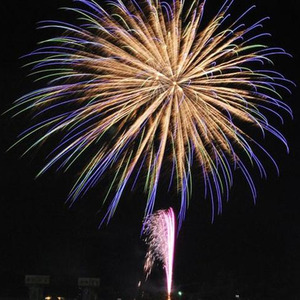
column 160, row 231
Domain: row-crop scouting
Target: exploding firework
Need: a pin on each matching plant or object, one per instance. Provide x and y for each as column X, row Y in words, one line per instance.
column 142, row 88
column 160, row 231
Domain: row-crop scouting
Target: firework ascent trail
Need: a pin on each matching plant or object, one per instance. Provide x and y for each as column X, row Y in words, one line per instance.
column 160, row 231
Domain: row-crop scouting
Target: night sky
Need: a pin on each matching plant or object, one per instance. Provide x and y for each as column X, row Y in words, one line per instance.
column 253, row 250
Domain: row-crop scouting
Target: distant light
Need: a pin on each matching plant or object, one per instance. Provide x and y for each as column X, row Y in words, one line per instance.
column 179, row 293
column 48, row 298
column 237, row 296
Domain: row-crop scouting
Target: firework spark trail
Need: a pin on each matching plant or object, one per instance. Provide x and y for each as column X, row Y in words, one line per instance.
column 160, row 231
column 149, row 88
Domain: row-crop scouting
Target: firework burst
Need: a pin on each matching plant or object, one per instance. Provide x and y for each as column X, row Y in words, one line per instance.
column 139, row 88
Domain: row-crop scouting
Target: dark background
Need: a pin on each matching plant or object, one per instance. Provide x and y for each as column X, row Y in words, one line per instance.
column 252, row 250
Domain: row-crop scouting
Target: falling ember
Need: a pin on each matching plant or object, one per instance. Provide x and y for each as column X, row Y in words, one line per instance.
column 160, row 231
